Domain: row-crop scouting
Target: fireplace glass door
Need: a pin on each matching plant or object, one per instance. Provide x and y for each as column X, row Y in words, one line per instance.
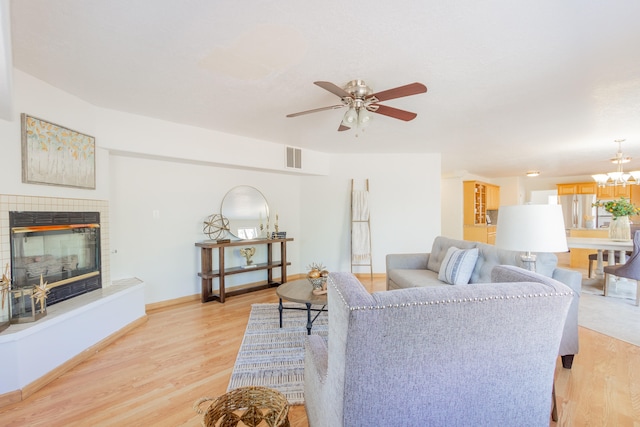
column 65, row 256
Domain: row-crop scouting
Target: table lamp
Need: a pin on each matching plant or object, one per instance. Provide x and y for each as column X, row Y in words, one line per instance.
column 531, row 228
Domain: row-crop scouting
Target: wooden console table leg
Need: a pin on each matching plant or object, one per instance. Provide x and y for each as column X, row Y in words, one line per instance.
column 207, row 283
column 221, row 268
column 269, row 262
column 283, row 259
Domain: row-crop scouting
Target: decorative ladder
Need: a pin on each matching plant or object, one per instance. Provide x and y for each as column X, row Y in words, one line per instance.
column 361, row 228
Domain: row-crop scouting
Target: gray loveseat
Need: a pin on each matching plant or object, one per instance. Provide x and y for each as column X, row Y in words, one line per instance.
column 421, row 270
column 474, row 355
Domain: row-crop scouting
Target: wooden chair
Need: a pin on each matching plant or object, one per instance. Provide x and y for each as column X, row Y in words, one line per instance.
column 629, row 270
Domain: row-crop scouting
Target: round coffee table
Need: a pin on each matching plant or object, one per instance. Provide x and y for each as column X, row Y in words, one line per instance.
column 300, row 291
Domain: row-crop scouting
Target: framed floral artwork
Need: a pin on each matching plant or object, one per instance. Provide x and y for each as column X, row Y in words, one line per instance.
column 55, row 155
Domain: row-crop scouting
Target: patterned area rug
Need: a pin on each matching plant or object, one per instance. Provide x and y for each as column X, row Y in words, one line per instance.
column 274, row 357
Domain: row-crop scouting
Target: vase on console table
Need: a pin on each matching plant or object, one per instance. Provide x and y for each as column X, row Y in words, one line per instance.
column 620, row 228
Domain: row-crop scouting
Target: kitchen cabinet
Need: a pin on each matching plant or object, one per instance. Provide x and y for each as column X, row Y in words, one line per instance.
column 565, row 189
column 478, row 197
column 614, row 192
column 577, row 188
column 619, row 191
column 587, row 188
column 491, row 234
column 493, row 197
column 480, row 233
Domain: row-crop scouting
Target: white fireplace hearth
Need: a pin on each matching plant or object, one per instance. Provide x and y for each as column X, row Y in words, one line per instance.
column 31, row 351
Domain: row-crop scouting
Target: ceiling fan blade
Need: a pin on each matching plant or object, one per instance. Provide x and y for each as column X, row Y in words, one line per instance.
column 393, row 112
column 336, row 90
column 315, row 110
column 342, row 128
column 399, row 92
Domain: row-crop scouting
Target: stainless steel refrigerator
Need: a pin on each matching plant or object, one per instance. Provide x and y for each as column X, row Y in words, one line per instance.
column 578, row 210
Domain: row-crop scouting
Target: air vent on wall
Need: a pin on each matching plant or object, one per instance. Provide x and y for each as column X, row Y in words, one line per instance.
column 293, row 158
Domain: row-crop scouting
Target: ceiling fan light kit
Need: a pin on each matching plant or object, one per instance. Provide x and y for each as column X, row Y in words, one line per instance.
column 360, row 101
column 619, row 177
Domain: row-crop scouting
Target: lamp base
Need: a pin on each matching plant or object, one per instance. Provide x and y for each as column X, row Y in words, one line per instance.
column 529, row 260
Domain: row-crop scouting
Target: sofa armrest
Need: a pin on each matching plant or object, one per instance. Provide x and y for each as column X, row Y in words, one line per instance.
column 570, row 344
column 315, row 372
column 571, row 278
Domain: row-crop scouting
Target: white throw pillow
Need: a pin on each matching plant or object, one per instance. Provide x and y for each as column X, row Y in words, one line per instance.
column 457, row 265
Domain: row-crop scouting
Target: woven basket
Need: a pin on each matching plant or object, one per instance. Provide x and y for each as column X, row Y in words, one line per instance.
column 245, row 406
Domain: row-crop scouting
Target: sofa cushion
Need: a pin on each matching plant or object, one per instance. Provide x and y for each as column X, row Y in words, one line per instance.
column 411, row 278
column 457, row 265
column 440, row 247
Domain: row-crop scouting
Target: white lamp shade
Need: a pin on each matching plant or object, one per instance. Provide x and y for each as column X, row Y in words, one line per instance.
column 531, row 228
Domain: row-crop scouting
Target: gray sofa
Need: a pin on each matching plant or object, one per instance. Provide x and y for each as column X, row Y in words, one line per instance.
column 421, row 270
column 474, row 355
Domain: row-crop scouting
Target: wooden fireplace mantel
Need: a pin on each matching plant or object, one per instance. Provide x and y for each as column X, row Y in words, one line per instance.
column 208, row 274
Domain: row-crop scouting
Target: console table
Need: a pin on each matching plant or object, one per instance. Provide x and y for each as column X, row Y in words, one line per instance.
column 208, row 274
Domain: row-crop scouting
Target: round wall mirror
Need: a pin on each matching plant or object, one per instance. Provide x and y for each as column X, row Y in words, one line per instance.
column 246, row 209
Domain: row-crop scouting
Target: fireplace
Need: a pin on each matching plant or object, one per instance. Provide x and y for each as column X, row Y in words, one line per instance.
column 59, row 248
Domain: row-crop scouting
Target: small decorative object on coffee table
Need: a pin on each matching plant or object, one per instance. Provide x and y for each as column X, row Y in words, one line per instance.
column 317, row 275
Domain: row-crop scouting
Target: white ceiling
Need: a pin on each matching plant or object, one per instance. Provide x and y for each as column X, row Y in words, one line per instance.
column 512, row 85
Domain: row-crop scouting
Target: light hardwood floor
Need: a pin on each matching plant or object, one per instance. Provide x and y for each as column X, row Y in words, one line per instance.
column 153, row 375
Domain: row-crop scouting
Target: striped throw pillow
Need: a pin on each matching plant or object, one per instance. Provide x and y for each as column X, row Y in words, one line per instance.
column 457, row 265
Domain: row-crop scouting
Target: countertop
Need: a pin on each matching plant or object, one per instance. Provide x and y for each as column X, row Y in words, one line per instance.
column 599, row 243
column 590, row 229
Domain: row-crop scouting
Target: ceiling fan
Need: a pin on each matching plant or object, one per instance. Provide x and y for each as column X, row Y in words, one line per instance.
column 360, row 101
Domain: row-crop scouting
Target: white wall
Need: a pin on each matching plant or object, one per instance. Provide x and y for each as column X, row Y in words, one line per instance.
column 130, row 133
column 512, row 190
column 41, row 100
column 404, row 203
column 161, row 249
column 6, row 62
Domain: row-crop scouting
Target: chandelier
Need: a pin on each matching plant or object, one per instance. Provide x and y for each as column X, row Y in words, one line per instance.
column 619, row 177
